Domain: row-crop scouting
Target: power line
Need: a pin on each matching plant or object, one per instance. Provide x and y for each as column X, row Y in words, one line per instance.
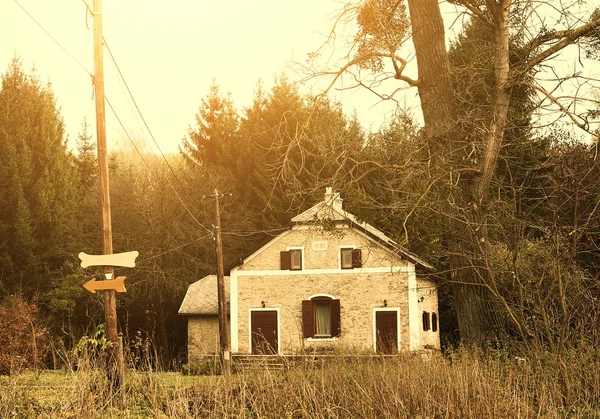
column 115, row 113
column 54, row 39
column 88, row 8
column 168, row 251
column 149, row 131
column 138, row 109
column 175, row 248
column 253, row 232
column 150, row 170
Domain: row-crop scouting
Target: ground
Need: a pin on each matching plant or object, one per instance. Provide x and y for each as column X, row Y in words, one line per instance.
column 467, row 384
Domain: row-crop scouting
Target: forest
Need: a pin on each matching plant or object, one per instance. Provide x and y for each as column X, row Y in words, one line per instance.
column 504, row 207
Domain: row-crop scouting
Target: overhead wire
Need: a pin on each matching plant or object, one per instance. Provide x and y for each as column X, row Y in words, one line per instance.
column 167, row 251
column 235, row 233
column 149, row 132
column 54, row 39
column 253, row 232
column 137, row 107
column 114, row 112
column 150, row 169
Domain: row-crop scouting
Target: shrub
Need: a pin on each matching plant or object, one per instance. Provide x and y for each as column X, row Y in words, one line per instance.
column 22, row 339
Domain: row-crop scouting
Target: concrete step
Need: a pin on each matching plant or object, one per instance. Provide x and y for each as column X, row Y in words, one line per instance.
column 271, row 362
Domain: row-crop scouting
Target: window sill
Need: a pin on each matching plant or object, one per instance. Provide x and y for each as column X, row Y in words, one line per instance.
column 322, row 339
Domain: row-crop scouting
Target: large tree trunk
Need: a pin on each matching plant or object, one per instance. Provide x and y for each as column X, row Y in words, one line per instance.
column 474, row 300
column 435, row 87
column 500, row 99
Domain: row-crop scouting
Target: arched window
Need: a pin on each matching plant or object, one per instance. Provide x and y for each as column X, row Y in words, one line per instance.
column 321, row 317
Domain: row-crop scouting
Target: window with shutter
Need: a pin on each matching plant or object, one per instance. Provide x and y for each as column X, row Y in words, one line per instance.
column 357, row 258
column 346, row 258
column 296, row 259
column 321, row 318
column 425, row 321
column 307, row 319
column 350, row 258
column 434, row 322
column 286, row 260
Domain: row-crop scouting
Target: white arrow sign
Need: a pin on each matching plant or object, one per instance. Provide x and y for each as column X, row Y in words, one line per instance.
column 126, row 259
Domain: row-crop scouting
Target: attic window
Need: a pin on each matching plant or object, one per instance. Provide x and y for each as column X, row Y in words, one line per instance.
column 296, row 260
column 350, row 258
column 291, row 260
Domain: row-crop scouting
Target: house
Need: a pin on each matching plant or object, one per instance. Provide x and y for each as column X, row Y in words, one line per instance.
column 329, row 280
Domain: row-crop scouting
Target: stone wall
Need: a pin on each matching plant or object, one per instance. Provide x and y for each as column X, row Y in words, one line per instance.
column 203, row 337
column 383, row 276
column 373, row 255
column 428, row 292
column 359, row 293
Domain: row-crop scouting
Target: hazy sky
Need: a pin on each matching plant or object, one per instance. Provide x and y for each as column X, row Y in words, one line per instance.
column 169, row 52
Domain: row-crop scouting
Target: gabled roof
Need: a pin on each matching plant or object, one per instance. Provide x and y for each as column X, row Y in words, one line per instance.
column 201, row 297
column 330, row 210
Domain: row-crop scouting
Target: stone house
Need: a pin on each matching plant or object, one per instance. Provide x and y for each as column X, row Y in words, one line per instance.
column 329, row 280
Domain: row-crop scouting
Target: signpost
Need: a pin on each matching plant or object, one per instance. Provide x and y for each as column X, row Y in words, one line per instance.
column 126, row 259
column 117, row 284
column 110, row 287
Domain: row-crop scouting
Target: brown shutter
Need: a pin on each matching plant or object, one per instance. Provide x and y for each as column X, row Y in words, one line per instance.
column 335, row 318
column 356, row 258
column 286, row 260
column 434, row 322
column 425, row 321
column 307, row 319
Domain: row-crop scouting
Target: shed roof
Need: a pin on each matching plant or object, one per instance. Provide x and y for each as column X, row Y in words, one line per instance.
column 201, row 297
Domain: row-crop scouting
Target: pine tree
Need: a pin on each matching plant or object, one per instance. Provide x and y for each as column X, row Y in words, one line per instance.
column 214, row 134
column 37, row 181
column 86, row 156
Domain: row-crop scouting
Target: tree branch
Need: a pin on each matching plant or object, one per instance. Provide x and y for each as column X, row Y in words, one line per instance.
column 568, row 38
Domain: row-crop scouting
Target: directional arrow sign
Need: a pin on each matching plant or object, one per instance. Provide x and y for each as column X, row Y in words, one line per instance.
column 126, row 259
column 117, row 284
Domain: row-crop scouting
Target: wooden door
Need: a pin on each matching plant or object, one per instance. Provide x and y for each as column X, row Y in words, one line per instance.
column 386, row 328
column 263, row 326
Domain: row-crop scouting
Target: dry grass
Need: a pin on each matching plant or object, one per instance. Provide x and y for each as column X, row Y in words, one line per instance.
column 466, row 385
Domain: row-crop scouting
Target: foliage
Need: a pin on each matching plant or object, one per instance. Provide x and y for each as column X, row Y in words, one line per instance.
column 22, row 337
column 464, row 383
column 212, row 140
column 96, row 344
column 384, row 26
column 86, row 162
column 39, row 183
column 273, row 159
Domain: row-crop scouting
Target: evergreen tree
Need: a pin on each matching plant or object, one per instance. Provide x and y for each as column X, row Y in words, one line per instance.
column 214, row 135
column 86, row 160
column 37, row 182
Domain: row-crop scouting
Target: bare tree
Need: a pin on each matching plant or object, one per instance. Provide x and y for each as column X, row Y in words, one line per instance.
column 375, row 55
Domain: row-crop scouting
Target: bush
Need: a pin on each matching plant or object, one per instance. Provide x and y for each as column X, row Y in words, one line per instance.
column 23, row 341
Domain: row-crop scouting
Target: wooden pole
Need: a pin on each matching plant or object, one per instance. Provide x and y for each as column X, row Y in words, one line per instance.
column 225, row 353
column 110, row 297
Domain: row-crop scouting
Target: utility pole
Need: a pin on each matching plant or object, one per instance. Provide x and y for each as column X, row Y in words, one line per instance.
column 110, row 298
column 225, row 353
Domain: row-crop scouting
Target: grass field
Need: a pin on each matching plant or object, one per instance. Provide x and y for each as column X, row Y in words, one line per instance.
column 468, row 384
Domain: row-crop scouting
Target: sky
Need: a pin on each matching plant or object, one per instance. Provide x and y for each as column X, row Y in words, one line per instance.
column 169, row 56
